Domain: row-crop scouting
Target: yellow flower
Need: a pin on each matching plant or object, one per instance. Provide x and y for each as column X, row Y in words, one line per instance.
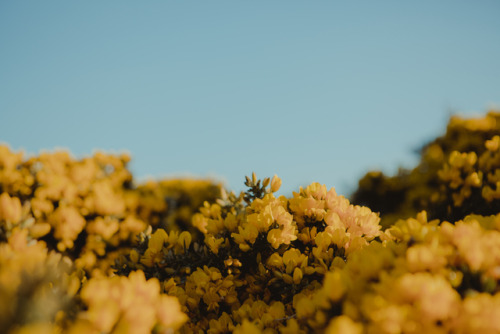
column 275, row 183
column 297, row 276
column 261, row 220
column 466, row 238
column 222, row 325
column 106, row 199
column 277, row 310
column 130, row 227
column 275, row 260
column 151, row 258
column 67, row 224
column 157, row 240
column 384, row 316
column 211, row 298
column 214, row 243
column 432, row 295
column 41, row 207
column 493, row 144
column 200, row 222
column 38, row 230
column 8, row 159
column 343, row 325
column 323, row 240
column 105, row 227
column 480, row 313
column 292, row 327
column 129, row 305
column 417, row 229
column 277, row 237
column 304, row 306
column 247, row 327
column 169, row 312
column 426, row 257
column 246, row 233
column 10, row 208
column 333, row 220
column 184, row 240
column 134, row 256
column 334, row 285
column 293, row 258
column 315, row 190
column 231, row 222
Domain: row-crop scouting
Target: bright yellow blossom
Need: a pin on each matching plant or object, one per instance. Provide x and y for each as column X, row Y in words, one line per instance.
column 343, row 325
column 10, row 208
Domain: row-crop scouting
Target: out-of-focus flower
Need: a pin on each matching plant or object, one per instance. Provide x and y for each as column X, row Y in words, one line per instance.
column 130, row 304
column 343, row 325
column 67, row 224
column 10, row 208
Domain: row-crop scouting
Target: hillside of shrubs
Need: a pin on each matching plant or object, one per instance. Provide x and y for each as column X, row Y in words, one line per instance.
column 84, row 248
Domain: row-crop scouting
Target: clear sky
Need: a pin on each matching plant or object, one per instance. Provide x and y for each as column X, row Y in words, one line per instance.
column 309, row 90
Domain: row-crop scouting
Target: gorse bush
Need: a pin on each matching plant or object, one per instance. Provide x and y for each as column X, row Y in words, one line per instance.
column 64, row 223
column 83, row 249
column 458, row 174
column 261, row 254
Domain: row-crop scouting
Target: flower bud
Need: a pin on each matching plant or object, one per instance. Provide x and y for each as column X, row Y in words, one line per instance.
column 297, row 276
column 275, row 183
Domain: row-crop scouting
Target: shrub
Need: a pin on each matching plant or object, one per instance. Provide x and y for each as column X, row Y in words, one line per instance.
column 83, row 249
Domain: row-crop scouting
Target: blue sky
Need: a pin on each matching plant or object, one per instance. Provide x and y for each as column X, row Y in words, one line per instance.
column 309, row 90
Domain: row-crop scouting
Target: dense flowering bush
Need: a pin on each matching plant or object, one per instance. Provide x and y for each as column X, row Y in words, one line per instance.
column 458, row 174
column 64, row 223
column 83, row 249
column 261, row 254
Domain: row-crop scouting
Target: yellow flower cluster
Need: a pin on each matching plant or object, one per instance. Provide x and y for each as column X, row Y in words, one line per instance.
column 34, row 284
column 171, row 203
column 89, row 209
column 424, row 277
column 257, row 258
column 63, row 225
column 127, row 305
column 465, row 173
column 85, row 250
column 336, row 275
column 41, row 292
column 458, row 173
